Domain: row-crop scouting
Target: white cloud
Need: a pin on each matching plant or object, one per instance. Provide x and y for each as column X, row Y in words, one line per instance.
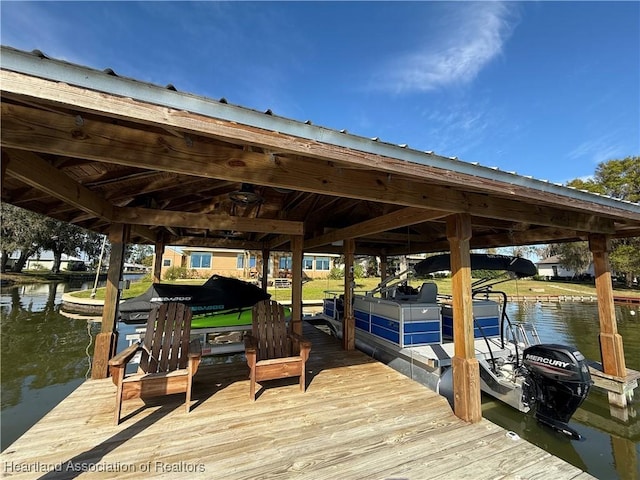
column 468, row 39
column 597, row 150
column 458, row 129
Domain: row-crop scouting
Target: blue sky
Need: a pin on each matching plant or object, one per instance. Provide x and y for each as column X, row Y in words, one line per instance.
column 547, row 89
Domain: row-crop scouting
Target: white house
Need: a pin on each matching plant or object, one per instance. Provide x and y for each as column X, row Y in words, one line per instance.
column 44, row 261
column 551, row 267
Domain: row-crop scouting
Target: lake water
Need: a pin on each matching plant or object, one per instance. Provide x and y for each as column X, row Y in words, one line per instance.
column 611, row 446
column 46, row 355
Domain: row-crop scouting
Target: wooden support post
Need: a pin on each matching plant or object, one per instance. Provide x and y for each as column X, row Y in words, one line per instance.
column 107, row 339
column 466, row 370
column 611, row 349
column 383, row 268
column 348, row 321
column 297, row 242
column 157, row 265
column 265, row 268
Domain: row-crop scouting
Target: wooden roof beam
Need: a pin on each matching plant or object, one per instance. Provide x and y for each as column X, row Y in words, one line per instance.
column 49, row 132
column 149, row 216
column 397, row 219
column 143, row 232
column 34, row 171
column 194, row 241
column 507, row 239
column 55, row 95
column 48, row 93
column 391, row 238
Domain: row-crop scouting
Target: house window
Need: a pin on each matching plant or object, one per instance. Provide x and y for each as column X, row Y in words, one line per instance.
column 240, row 261
column 200, row 260
column 166, row 262
column 307, row 263
column 285, row 263
column 322, row 263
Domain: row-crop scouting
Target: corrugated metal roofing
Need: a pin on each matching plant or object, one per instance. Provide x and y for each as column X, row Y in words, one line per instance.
column 38, row 64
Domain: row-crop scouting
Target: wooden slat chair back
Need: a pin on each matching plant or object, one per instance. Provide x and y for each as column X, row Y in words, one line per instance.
column 168, row 360
column 165, row 346
column 269, row 327
column 272, row 350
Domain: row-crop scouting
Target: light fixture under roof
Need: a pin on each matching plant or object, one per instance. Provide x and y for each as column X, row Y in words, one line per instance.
column 231, row 234
column 245, row 196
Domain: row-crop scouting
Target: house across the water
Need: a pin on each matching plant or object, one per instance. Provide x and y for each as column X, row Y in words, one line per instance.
column 44, row 261
column 552, row 268
column 245, row 264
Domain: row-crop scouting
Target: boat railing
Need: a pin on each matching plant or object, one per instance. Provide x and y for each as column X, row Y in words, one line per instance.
column 523, row 334
column 331, row 294
column 390, row 284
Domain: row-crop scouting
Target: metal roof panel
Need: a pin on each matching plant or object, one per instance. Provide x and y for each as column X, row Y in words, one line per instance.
column 39, row 65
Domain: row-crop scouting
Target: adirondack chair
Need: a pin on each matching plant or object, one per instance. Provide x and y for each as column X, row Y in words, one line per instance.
column 168, row 360
column 271, row 350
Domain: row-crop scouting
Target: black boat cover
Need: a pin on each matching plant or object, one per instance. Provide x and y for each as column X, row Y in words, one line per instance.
column 218, row 293
column 521, row 267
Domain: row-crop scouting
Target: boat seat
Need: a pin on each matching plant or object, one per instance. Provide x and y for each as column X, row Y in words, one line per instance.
column 428, row 293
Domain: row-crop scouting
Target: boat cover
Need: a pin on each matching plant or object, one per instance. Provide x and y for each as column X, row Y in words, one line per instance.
column 217, row 294
column 521, row 267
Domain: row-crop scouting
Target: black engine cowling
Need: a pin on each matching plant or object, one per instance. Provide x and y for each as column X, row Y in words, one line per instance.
column 558, row 381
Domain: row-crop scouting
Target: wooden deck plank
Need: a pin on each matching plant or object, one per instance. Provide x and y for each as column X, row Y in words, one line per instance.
column 357, row 419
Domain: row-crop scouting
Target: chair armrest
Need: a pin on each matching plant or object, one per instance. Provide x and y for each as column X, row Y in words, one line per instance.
column 195, row 348
column 126, row 355
column 304, row 345
column 303, row 342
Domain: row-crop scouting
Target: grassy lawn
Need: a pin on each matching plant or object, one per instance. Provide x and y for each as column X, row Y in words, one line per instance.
column 315, row 290
column 136, row 288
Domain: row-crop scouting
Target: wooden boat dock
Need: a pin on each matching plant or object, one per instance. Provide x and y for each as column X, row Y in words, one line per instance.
column 358, row 419
column 571, row 298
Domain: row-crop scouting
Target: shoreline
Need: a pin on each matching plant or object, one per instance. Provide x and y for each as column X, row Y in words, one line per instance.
column 73, row 304
column 10, row 279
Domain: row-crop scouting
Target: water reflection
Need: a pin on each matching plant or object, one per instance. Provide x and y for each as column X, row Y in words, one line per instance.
column 44, row 358
column 43, row 355
column 38, row 343
column 611, row 448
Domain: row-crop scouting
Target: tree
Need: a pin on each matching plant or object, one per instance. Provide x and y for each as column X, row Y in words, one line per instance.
column 61, row 238
column 92, row 246
column 589, row 185
column 22, row 232
column 372, row 266
column 28, row 233
column 618, row 179
column 621, row 179
column 625, row 259
column 140, row 254
column 575, row 256
column 524, row 251
column 546, row 251
column 615, row 178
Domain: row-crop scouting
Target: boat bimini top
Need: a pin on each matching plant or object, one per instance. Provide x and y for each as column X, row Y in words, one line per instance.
column 517, row 267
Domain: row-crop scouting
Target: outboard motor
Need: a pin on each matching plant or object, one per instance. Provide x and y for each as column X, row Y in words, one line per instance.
column 557, row 382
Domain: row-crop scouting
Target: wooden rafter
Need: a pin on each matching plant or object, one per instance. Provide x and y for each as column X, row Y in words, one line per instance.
column 149, row 216
column 34, row 171
column 407, row 216
column 115, row 144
